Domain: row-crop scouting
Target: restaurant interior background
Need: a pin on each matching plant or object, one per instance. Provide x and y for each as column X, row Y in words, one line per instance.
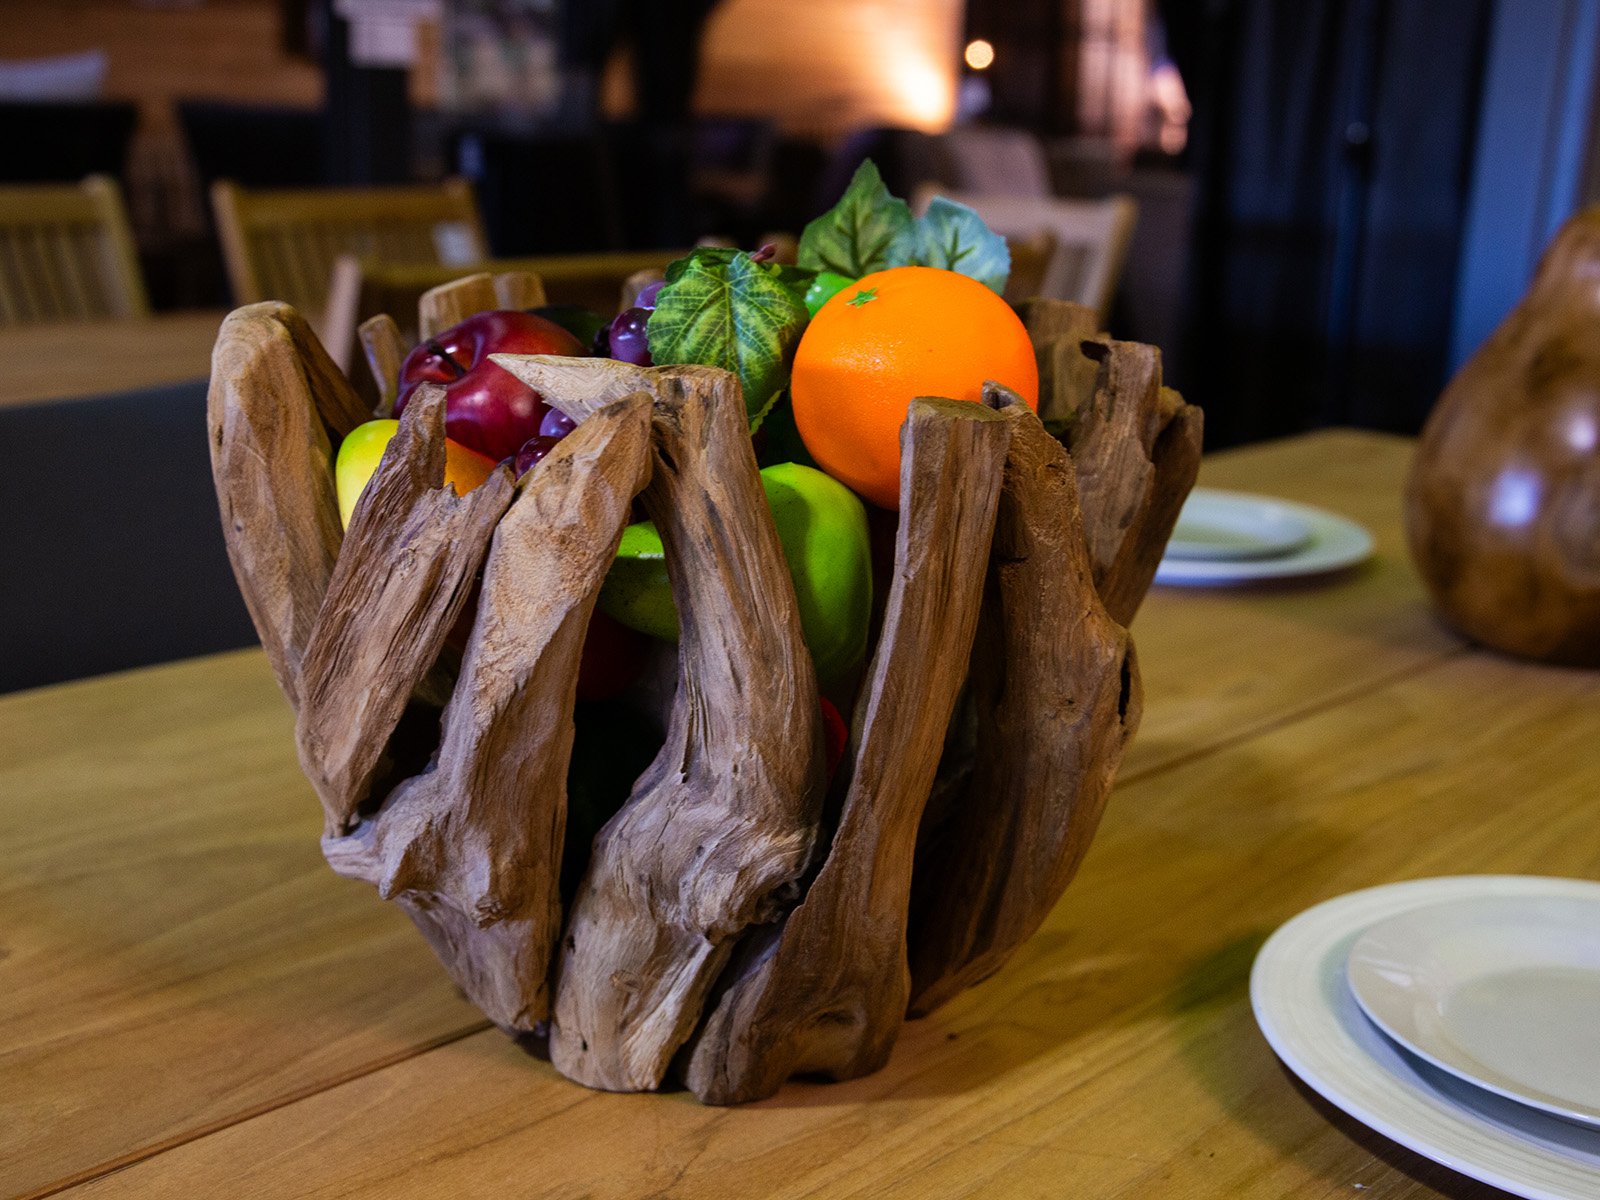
column 1337, row 199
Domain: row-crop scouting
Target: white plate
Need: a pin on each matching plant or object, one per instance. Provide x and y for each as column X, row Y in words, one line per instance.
column 1503, row 991
column 1331, row 542
column 1311, row 1019
column 1234, row 526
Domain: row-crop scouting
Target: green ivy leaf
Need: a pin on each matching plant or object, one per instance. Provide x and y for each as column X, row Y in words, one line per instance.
column 953, row 236
column 856, row 235
column 797, row 279
column 724, row 309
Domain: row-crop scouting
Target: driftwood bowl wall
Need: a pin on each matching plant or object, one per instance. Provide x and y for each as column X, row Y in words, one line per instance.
column 735, row 925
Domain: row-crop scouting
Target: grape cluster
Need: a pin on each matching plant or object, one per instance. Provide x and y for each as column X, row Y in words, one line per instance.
column 625, row 340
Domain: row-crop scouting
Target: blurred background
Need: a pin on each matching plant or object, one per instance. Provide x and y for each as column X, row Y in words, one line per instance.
column 1315, row 208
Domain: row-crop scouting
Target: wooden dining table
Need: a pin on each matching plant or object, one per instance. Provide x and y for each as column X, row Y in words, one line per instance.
column 193, row 1005
column 88, row 358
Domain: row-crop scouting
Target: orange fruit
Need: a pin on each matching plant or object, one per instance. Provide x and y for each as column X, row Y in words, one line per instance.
column 885, row 340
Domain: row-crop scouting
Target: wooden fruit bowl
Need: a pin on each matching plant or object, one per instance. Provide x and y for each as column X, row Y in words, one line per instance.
column 738, row 922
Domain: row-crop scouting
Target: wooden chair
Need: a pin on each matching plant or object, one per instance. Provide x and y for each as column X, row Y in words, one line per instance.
column 282, row 244
column 1091, row 237
column 66, row 253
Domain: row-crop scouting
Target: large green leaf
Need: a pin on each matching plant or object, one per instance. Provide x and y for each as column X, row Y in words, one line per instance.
column 856, row 235
column 723, row 309
column 953, row 236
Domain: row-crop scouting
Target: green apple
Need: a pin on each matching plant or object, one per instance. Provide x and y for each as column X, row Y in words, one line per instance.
column 823, row 527
column 362, row 451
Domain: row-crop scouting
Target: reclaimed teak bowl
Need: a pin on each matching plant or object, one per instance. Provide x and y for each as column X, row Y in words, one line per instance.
column 735, row 925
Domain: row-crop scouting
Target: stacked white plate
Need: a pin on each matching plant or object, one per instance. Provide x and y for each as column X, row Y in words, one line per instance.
column 1458, row 1016
column 1234, row 537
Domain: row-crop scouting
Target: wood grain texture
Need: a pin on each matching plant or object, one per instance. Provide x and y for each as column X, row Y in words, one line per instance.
column 1058, row 329
column 1136, row 447
column 403, row 577
column 1503, row 501
column 1116, row 1056
column 1056, row 698
column 273, row 465
column 89, row 358
column 826, row 991
column 175, row 956
column 385, row 352
column 472, row 846
column 519, row 290
column 721, row 825
column 451, row 303
column 341, row 409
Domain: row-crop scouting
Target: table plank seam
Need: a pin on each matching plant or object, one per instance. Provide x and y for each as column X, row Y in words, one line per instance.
column 154, row 1149
column 1295, row 716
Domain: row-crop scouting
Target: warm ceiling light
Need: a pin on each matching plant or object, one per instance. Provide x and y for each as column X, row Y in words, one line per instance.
column 979, row 54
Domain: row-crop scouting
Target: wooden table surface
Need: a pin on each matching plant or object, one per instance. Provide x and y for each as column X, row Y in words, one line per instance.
column 58, row 362
column 192, row 1004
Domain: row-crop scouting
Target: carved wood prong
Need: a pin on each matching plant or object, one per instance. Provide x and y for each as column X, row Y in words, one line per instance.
column 1136, row 448
column 472, row 846
column 451, row 303
column 827, row 993
column 723, row 823
column 1176, row 459
column 1056, row 699
column 336, row 401
column 578, row 386
column 385, row 351
column 273, row 467
column 402, row 579
column 519, row 290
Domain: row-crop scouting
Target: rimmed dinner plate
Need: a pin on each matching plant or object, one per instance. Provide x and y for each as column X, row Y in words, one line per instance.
column 1233, row 526
column 1309, row 1016
column 1503, row 991
column 1234, row 537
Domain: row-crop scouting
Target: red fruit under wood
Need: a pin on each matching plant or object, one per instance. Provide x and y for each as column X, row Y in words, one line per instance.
column 486, row 407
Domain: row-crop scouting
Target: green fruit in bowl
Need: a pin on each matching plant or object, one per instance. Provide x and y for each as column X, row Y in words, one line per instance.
column 823, row 528
column 823, row 288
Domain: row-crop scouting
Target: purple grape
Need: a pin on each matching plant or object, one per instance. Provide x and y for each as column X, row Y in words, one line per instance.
column 556, row 424
column 629, row 343
column 533, row 452
column 648, row 293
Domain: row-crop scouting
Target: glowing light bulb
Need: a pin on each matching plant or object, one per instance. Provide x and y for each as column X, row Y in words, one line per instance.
column 979, row 54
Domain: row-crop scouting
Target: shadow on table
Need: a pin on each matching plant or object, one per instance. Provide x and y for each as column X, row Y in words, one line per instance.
column 1223, row 979
column 112, row 543
column 1105, row 959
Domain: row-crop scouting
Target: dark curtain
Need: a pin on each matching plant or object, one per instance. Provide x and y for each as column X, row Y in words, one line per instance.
column 1331, row 146
column 651, row 153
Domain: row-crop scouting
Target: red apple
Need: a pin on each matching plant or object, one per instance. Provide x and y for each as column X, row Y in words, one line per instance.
column 486, row 408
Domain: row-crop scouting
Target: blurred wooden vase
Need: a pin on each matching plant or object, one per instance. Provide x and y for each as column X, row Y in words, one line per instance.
column 1503, row 502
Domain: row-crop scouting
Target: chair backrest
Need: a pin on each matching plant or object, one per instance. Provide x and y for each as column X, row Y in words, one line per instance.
column 1091, row 237
column 66, row 253
column 282, row 244
column 994, row 161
